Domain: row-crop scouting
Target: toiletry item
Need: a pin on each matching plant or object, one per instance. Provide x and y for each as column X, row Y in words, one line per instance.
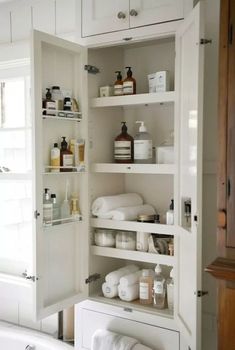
column 106, row 91
column 65, row 206
column 55, row 209
column 129, row 84
column 57, row 96
column 170, row 214
column 142, row 241
column 49, row 104
column 165, row 155
column 75, row 105
column 146, row 287
column 126, row 240
column 110, row 290
column 149, row 218
column 171, row 247
column 118, row 85
column 162, row 81
column 67, row 104
column 114, row 276
column 124, row 146
column 75, row 211
column 66, row 156
column 79, row 155
column 47, row 208
column 142, row 145
column 159, row 289
column 105, row 238
column 55, row 159
column 170, row 291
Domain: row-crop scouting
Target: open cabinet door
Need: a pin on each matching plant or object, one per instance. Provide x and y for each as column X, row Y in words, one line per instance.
column 60, row 249
column 189, row 110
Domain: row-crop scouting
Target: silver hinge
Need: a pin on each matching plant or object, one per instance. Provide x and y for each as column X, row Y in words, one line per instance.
column 92, row 278
column 201, row 293
column 27, row 277
column 91, row 69
column 205, row 41
column 36, row 214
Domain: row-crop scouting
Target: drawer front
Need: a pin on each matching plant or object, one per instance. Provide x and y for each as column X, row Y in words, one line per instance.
column 156, row 338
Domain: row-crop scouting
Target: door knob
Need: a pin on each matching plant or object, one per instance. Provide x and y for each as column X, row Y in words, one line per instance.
column 121, row 15
column 133, row 12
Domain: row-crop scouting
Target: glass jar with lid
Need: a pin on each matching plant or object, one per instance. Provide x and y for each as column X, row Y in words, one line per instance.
column 126, row 240
column 105, row 238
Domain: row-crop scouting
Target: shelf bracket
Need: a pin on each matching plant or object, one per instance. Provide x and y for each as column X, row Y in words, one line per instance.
column 91, row 69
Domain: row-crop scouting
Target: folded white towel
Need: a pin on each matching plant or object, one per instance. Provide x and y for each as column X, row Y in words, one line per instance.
column 141, row 347
column 106, row 340
column 128, row 213
column 102, row 205
column 114, row 277
column 128, row 293
column 130, row 279
column 109, row 290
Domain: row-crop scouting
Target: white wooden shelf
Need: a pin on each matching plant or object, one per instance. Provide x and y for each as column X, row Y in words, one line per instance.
column 133, row 168
column 62, row 221
column 133, row 255
column 134, row 226
column 134, row 100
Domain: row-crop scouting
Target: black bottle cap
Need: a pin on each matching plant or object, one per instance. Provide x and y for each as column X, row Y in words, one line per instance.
column 124, row 127
column 172, row 205
column 64, row 144
column 55, row 87
column 48, row 94
column 129, row 72
column 119, row 75
column 56, row 144
column 53, row 195
column 46, row 190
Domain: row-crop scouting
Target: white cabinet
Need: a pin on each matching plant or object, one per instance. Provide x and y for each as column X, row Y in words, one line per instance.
column 5, row 34
column 65, row 16
column 21, row 22
column 107, row 16
column 44, row 15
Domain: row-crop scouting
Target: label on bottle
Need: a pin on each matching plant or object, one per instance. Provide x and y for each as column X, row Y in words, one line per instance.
column 47, row 214
column 143, row 149
column 67, row 159
column 118, row 90
column 55, row 160
column 144, row 291
column 122, row 150
column 159, row 287
column 128, row 87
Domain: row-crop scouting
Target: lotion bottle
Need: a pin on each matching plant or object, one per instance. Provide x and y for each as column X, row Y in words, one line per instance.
column 129, row 84
column 118, row 85
column 143, row 150
column 123, row 146
column 55, row 159
column 146, row 287
column 159, row 289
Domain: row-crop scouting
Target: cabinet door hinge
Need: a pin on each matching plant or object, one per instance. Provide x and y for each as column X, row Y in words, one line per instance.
column 205, row 41
column 27, row 277
column 92, row 278
column 36, row 214
column 91, row 69
column 201, row 293
column 230, row 34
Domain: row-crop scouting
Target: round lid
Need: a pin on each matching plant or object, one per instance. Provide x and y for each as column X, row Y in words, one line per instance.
column 144, row 217
column 158, row 269
column 53, row 195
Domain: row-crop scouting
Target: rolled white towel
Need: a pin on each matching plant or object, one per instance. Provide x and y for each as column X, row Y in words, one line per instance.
column 114, row 276
column 102, row 205
column 141, row 347
column 106, row 340
column 128, row 213
column 128, row 293
column 130, row 279
column 109, row 290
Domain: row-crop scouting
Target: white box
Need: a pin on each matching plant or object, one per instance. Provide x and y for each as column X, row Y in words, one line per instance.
column 165, row 155
column 159, row 81
column 106, row 91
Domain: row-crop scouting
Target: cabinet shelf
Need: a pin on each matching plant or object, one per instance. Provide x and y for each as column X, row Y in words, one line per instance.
column 133, row 255
column 134, row 226
column 64, row 221
column 68, row 115
column 75, row 170
column 134, row 100
column 133, row 168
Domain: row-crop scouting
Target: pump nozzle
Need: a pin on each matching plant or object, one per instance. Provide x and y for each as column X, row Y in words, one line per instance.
column 119, row 76
column 129, row 72
column 142, row 127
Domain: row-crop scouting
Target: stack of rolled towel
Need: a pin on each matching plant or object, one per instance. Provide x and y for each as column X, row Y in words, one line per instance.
column 126, row 206
column 123, row 282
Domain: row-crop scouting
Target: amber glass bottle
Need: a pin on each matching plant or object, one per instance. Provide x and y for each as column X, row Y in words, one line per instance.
column 66, row 156
column 124, row 147
column 129, row 84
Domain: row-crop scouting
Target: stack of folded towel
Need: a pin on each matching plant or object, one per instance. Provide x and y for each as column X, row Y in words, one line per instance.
column 110, row 286
column 106, row 340
column 126, row 206
column 128, row 288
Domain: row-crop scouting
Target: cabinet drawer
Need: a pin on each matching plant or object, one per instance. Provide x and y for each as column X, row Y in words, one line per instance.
column 156, row 338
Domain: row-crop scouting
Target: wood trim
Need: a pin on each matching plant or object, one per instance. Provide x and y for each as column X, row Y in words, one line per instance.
column 222, row 268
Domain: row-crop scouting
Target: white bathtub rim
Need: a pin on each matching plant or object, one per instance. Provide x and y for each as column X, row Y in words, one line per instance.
column 31, row 336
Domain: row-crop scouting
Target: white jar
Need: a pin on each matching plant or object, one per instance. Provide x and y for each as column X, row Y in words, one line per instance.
column 126, row 240
column 105, row 238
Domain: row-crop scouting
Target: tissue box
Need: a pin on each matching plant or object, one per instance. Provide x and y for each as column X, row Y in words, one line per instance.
column 159, row 81
column 106, row 91
column 165, row 155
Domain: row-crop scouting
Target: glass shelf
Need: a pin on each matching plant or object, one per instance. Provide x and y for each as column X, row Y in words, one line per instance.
column 62, row 221
column 61, row 115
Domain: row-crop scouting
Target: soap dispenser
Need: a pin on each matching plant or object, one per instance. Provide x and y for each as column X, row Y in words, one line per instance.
column 66, row 156
column 129, row 84
column 142, row 145
column 123, row 146
column 118, row 85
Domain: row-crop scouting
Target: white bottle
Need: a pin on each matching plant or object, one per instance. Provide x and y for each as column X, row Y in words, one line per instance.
column 55, row 159
column 170, row 291
column 47, row 208
column 143, row 145
column 170, row 214
column 159, row 289
column 55, row 209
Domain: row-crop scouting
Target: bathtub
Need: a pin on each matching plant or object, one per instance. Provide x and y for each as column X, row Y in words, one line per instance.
column 19, row 338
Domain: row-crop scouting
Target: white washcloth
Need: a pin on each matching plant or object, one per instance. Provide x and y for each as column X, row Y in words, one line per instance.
column 102, row 205
column 109, row 290
column 106, row 340
column 128, row 293
column 114, row 277
column 128, row 213
column 132, row 278
column 141, row 347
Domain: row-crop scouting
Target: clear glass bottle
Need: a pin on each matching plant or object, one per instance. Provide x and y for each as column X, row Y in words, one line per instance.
column 170, row 291
column 55, row 209
column 159, row 289
column 47, row 208
column 146, row 287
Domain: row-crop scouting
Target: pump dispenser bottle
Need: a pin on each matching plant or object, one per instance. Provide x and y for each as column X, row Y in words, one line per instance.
column 142, row 145
column 66, row 156
column 47, row 208
column 129, row 84
column 123, row 146
column 118, row 85
column 159, row 289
